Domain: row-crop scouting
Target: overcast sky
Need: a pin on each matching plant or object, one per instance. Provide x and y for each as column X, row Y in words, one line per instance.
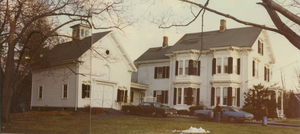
column 144, row 34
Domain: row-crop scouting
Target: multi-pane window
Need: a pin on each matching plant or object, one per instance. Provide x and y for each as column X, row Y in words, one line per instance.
column 218, row 95
column 180, row 67
column 195, row 67
column 162, row 96
column 179, row 96
column 234, row 67
column 225, row 96
column 194, row 98
column 65, row 91
column 86, row 91
column 186, row 67
column 185, row 96
column 219, row 62
column 225, row 65
column 233, row 96
column 161, row 72
column 40, row 92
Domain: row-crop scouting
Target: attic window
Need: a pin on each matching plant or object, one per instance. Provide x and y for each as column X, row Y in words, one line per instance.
column 107, row 52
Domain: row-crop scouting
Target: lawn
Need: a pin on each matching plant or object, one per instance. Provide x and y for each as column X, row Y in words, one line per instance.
column 69, row 123
column 290, row 121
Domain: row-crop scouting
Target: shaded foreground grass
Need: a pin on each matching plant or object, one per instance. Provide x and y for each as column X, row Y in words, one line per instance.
column 144, row 125
column 70, row 123
column 290, row 121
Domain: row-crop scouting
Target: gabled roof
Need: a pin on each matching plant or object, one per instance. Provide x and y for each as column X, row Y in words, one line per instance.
column 238, row 37
column 156, row 53
column 68, row 52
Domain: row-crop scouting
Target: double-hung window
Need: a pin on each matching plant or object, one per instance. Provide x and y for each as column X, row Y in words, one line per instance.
column 186, row 67
column 226, row 65
column 179, row 95
column 219, row 62
column 218, row 95
column 65, row 91
column 225, row 96
column 40, row 92
column 180, row 67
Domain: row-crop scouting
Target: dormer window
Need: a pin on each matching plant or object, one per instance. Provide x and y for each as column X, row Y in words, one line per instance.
column 86, row 33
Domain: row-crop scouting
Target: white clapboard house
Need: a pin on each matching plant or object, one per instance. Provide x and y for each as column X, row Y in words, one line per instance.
column 61, row 78
column 231, row 62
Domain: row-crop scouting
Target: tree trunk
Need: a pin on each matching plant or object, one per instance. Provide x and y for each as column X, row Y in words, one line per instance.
column 7, row 92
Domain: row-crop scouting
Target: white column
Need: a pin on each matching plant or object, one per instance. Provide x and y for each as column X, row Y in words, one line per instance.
column 281, row 112
column 276, row 93
column 221, row 95
column 182, row 95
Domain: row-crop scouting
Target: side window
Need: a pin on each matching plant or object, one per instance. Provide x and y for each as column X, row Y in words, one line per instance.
column 65, row 91
column 85, row 91
column 40, row 92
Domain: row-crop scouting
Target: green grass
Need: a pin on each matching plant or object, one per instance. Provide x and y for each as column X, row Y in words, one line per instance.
column 290, row 121
column 57, row 123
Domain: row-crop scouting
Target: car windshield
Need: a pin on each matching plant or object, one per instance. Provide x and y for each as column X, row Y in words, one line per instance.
column 236, row 109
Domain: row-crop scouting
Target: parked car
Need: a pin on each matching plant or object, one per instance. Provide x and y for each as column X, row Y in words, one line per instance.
column 149, row 108
column 229, row 113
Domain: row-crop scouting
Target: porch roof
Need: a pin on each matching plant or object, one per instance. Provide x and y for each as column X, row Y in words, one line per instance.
column 139, row 86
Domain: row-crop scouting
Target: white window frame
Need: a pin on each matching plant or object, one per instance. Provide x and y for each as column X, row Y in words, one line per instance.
column 256, row 68
column 38, row 97
column 180, row 69
column 194, row 96
column 234, row 67
column 62, row 91
column 234, row 95
column 179, row 95
column 225, row 65
column 219, row 65
column 218, row 94
column 225, row 95
column 186, row 67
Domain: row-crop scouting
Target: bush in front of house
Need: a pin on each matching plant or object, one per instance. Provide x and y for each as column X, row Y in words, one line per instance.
column 257, row 96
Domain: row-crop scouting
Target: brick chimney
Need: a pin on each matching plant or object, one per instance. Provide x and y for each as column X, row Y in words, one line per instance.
column 222, row 25
column 165, row 41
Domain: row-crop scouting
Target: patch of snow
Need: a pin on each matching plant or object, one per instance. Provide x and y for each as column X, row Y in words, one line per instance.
column 191, row 130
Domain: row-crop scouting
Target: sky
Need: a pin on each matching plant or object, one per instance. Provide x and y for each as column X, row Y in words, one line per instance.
column 144, row 34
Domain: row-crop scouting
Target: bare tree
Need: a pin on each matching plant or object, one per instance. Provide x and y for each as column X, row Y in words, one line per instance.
column 23, row 34
column 274, row 10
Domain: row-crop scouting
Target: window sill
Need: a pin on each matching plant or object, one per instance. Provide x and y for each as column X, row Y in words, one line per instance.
column 86, row 98
column 40, row 98
column 64, row 98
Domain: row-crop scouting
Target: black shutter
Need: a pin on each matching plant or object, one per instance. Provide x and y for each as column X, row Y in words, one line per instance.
column 83, row 91
column 176, row 68
column 212, row 101
column 166, row 97
column 229, row 94
column 168, row 71
column 191, row 67
column 262, row 48
column 265, row 74
column 198, row 96
column 164, row 72
column 238, row 97
column 175, row 96
column 126, row 94
column 199, row 66
column 154, row 94
column 118, row 95
column 258, row 47
column 214, row 66
column 238, row 66
column 131, row 96
column 155, row 73
column 190, row 98
column 253, row 68
column 230, row 65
